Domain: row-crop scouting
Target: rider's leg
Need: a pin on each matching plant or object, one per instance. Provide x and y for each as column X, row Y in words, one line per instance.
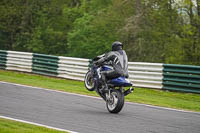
column 105, row 75
column 103, row 80
column 112, row 74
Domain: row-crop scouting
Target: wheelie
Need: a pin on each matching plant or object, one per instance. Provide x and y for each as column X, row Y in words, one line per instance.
column 108, row 76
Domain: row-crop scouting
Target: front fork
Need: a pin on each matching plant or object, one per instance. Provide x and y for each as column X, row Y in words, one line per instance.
column 108, row 94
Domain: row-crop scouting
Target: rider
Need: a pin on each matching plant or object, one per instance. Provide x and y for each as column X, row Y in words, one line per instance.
column 118, row 60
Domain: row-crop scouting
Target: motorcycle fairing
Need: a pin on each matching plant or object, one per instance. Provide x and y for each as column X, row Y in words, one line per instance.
column 117, row 82
column 120, row 82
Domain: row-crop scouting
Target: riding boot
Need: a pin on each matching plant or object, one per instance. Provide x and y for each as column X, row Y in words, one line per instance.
column 104, row 84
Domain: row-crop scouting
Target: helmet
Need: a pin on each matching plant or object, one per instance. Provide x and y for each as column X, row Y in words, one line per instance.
column 117, row 46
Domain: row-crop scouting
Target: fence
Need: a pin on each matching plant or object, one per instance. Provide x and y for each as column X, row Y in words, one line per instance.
column 181, row 78
column 72, row 68
column 148, row 75
column 3, row 59
column 45, row 64
column 19, row 61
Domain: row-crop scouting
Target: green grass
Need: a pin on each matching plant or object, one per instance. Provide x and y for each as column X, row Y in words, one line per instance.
column 8, row 126
column 185, row 101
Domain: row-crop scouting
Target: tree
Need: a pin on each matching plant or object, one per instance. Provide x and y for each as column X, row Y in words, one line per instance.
column 165, row 31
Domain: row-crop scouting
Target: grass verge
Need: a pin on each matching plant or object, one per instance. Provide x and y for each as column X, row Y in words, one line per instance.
column 185, row 101
column 8, row 126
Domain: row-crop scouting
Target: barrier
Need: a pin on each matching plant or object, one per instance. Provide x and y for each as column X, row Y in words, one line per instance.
column 45, row 64
column 185, row 78
column 3, row 59
column 148, row 75
column 20, row 61
column 72, row 68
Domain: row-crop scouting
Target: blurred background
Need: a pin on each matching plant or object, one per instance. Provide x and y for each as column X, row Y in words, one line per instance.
column 162, row 31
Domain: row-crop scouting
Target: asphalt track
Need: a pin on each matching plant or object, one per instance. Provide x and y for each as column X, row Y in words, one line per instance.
column 89, row 115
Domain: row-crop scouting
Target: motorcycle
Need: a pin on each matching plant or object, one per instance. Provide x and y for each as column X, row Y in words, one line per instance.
column 114, row 97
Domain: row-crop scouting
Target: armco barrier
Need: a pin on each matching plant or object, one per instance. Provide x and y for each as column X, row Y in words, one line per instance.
column 3, row 59
column 184, row 78
column 148, row 75
column 45, row 64
column 20, row 61
column 72, row 68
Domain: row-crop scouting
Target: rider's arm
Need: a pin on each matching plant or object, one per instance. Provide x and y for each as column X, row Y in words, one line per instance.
column 101, row 61
column 107, row 57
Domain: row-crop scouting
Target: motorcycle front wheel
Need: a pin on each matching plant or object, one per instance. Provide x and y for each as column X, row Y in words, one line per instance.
column 115, row 102
column 89, row 81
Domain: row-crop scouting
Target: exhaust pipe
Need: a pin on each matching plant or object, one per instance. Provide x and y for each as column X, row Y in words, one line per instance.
column 130, row 90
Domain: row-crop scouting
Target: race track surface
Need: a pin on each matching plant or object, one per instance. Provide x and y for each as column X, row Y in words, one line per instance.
column 89, row 115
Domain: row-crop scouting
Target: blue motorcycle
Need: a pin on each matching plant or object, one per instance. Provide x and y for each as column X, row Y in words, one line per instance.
column 115, row 96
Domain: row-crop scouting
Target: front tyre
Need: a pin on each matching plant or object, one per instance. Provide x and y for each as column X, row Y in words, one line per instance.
column 89, row 81
column 115, row 102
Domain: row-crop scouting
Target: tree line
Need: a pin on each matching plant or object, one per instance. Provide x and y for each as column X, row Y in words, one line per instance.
column 166, row 31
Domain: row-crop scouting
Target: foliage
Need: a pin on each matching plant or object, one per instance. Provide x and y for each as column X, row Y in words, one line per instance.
column 166, row 31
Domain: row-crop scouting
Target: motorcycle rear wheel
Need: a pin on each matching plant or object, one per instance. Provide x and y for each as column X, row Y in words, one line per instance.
column 116, row 101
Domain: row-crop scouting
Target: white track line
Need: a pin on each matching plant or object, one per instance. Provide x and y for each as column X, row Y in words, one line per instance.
column 37, row 124
column 158, row 107
column 147, row 105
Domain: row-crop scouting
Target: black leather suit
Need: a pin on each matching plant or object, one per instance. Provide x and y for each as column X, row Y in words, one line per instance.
column 119, row 62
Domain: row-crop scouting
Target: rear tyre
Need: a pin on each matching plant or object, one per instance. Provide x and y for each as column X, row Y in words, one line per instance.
column 116, row 101
column 89, row 81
